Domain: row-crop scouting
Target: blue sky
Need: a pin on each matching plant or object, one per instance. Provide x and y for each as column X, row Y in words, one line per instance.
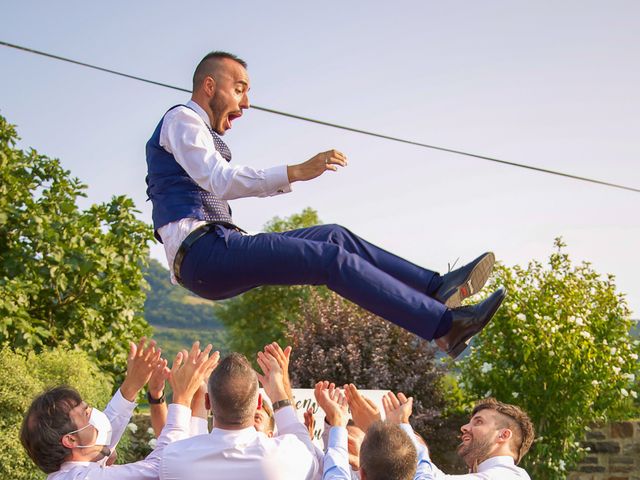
column 551, row 84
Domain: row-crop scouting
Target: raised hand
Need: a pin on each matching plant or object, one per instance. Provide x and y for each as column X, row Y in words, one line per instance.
column 363, row 411
column 332, row 402
column 159, row 375
column 316, row 166
column 140, row 365
column 272, row 378
column 189, row 370
column 397, row 409
column 282, row 357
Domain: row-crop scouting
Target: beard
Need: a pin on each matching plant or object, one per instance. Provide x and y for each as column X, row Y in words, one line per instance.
column 218, row 108
column 476, row 450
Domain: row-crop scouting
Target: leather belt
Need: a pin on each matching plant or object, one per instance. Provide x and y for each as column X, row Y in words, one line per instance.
column 192, row 238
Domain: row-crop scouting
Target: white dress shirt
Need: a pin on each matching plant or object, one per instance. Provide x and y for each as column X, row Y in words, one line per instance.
column 185, row 134
column 119, row 412
column 244, row 454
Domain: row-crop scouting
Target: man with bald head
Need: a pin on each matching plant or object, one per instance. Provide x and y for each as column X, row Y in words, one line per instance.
column 190, row 181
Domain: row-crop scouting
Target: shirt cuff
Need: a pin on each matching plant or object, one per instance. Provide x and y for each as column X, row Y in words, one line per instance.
column 285, row 417
column 178, row 414
column 338, row 437
column 419, row 446
column 277, row 180
column 121, row 404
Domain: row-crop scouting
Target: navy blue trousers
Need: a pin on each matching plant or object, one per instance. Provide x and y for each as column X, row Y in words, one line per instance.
column 224, row 263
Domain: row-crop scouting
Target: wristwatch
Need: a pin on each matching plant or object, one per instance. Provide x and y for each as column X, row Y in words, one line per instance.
column 281, row 403
column 155, row 401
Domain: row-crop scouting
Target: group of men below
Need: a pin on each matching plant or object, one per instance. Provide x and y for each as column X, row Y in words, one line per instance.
column 70, row 440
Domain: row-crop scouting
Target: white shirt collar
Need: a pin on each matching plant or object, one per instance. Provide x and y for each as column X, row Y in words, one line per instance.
column 200, row 111
column 245, row 434
column 494, row 461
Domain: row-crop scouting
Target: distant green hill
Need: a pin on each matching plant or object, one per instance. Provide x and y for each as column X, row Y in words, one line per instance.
column 169, row 305
column 179, row 317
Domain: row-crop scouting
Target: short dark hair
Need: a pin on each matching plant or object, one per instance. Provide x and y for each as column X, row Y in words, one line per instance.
column 517, row 421
column 47, row 420
column 208, row 63
column 388, row 452
column 233, row 390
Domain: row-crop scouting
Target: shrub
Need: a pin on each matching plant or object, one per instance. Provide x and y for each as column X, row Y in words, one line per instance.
column 560, row 347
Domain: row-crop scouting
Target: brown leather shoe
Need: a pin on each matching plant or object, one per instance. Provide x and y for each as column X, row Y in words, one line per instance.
column 469, row 320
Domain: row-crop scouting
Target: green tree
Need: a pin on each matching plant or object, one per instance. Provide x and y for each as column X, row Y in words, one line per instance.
column 22, row 377
column 560, row 348
column 261, row 315
column 68, row 277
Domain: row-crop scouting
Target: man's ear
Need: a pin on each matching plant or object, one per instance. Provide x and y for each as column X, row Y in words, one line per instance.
column 68, row 441
column 207, row 402
column 505, row 435
column 209, row 85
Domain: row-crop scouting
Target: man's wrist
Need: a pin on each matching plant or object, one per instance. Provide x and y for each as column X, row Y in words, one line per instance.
column 182, row 400
column 290, row 173
column 155, row 398
column 129, row 391
column 336, row 420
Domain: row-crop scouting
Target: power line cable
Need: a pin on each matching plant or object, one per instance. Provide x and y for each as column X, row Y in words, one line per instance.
column 333, row 125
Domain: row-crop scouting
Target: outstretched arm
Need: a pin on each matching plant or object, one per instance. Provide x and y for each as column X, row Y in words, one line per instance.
column 398, row 409
column 141, row 361
column 334, row 405
column 155, row 390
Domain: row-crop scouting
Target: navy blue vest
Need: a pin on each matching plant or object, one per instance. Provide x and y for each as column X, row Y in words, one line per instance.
column 174, row 194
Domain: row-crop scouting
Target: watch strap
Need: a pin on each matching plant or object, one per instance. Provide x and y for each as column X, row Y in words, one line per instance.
column 281, row 403
column 155, row 401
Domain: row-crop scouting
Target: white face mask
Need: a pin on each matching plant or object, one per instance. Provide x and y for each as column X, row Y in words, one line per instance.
column 101, row 423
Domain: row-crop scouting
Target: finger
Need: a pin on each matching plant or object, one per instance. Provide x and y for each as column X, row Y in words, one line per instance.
column 150, row 351
column 386, row 406
column 204, row 355
column 275, row 351
column 336, row 161
column 158, row 356
column 357, row 397
column 141, row 346
column 262, row 364
column 195, row 351
column 209, row 366
column 371, row 404
column 177, row 362
column 132, row 350
column 337, row 153
column 402, row 397
column 395, row 403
